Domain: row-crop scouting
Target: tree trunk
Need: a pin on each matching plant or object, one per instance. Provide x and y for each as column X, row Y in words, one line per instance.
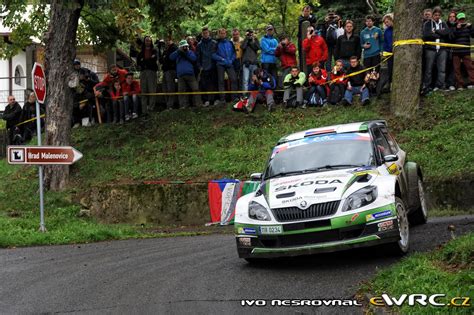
column 60, row 51
column 405, row 96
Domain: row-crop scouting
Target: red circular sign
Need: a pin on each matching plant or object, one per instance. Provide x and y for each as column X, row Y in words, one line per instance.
column 39, row 82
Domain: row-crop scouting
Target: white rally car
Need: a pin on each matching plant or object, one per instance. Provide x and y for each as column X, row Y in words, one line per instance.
column 328, row 189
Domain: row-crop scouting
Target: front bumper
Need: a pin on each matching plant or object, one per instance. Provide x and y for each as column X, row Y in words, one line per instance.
column 341, row 234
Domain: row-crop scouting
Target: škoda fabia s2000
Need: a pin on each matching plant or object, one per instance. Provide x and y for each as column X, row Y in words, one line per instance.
column 329, row 189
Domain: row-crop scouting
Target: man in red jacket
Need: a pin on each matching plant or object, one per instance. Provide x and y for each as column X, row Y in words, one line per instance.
column 286, row 51
column 315, row 48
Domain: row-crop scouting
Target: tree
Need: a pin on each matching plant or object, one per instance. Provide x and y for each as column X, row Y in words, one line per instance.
column 405, row 96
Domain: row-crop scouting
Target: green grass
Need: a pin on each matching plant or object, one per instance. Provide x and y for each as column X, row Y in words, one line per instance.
column 209, row 144
column 449, row 271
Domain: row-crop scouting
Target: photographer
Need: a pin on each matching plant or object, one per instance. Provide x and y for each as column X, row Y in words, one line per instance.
column 185, row 60
column 250, row 47
column 315, row 48
column 286, row 51
column 332, row 28
column 262, row 86
column 463, row 33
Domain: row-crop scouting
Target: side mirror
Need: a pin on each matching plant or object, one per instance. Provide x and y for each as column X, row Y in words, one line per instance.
column 256, row 177
column 390, row 158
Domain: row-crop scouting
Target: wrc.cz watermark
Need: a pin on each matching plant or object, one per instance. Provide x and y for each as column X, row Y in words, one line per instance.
column 436, row 300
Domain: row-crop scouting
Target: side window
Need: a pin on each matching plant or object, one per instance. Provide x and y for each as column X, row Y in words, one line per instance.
column 381, row 143
column 391, row 142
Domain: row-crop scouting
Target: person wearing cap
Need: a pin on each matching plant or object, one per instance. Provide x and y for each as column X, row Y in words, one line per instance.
column 250, row 47
column 185, row 60
column 207, row 65
column 463, row 34
column 147, row 62
column 269, row 44
column 332, row 25
column 87, row 73
column 225, row 58
column 286, row 51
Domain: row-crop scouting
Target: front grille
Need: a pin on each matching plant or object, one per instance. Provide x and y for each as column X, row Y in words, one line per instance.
column 311, row 238
column 314, row 211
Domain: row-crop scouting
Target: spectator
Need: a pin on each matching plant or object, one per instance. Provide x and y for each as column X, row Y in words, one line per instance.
column 427, row 15
column 116, row 112
column 269, row 44
column 207, row 66
column 332, row 22
column 435, row 30
column 305, row 16
column 337, row 85
column 168, row 67
column 147, row 62
column 85, row 72
column 192, row 42
column 262, row 85
column 347, row 45
column 225, row 58
column 371, row 81
column 464, row 31
column 131, row 89
column 12, row 116
column 388, row 42
column 237, row 41
column 356, row 83
column 294, row 82
column 84, row 101
column 286, row 51
column 103, row 89
column 318, row 89
column 315, row 49
column 250, row 47
column 372, row 43
column 28, row 130
column 185, row 60
column 452, row 24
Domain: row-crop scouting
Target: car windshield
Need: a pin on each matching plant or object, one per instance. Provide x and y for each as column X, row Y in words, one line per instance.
column 320, row 153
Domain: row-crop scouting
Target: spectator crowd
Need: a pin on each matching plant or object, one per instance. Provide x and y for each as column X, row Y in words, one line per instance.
column 330, row 63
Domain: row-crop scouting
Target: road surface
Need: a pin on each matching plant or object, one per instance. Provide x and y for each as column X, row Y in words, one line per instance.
column 187, row 275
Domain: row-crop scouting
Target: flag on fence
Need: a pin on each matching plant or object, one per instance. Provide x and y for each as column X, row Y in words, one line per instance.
column 223, row 195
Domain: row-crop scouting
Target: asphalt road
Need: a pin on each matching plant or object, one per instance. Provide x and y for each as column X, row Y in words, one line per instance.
column 187, row 275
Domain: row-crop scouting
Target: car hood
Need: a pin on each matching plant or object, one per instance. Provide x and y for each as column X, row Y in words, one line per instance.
column 307, row 189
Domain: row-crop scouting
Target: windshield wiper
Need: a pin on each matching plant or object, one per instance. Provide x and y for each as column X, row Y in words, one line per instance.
column 334, row 166
column 285, row 174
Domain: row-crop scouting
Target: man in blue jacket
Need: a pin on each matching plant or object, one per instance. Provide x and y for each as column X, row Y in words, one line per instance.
column 261, row 86
column 269, row 44
column 185, row 60
column 372, row 42
column 224, row 56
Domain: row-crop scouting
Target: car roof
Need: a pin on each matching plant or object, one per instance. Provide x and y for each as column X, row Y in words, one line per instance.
column 343, row 128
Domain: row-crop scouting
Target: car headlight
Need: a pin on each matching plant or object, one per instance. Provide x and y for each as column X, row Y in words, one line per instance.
column 258, row 212
column 360, row 198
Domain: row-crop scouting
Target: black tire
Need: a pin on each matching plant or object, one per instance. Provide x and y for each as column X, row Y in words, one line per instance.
column 420, row 214
column 401, row 246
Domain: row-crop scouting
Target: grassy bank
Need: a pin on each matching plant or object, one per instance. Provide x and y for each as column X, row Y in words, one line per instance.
column 209, row 144
column 449, row 271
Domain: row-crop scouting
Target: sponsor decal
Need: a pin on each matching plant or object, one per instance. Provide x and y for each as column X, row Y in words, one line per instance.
column 385, row 226
column 246, row 230
column 353, row 218
column 309, row 183
column 292, row 200
column 393, row 169
column 378, row 215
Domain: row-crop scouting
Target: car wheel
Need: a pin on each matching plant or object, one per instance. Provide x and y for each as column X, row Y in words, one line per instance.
column 402, row 245
column 420, row 214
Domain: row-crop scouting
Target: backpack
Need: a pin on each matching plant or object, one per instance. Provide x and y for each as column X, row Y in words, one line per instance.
column 331, row 35
column 241, row 105
column 335, row 94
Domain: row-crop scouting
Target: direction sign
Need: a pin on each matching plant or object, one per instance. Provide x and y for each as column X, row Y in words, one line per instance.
column 39, row 82
column 46, row 155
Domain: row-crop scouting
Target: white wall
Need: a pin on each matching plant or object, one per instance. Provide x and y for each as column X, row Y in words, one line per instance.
column 18, row 90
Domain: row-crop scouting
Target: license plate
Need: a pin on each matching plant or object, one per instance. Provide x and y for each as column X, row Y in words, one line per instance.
column 272, row 229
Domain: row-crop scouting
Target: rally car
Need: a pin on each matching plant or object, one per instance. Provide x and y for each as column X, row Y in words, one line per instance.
column 331, row 188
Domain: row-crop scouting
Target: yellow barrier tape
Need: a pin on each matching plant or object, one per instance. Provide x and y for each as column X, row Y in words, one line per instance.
column 29, row 120
column 422, row 42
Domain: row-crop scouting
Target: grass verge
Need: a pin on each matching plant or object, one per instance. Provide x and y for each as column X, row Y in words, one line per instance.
column 448, row 270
